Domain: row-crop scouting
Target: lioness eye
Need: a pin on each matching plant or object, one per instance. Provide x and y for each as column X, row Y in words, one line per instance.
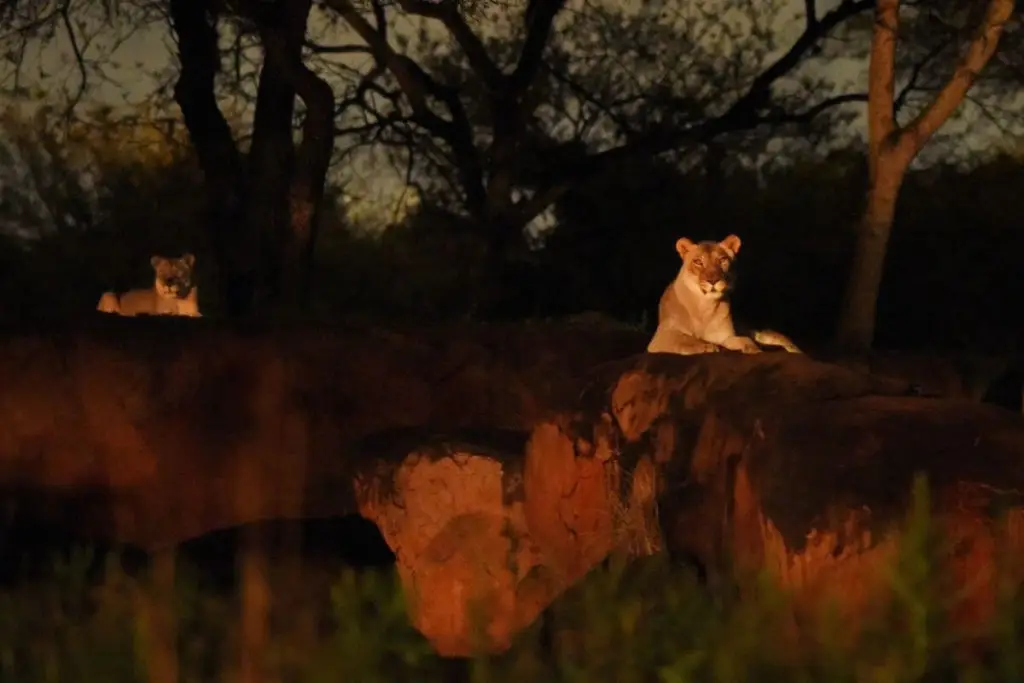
column 699, row 262
column 724, row 263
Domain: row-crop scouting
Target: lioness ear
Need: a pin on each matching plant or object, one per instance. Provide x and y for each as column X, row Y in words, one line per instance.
column 684, row 245
column 732, row 243
column 189, row 259
column 156, row 261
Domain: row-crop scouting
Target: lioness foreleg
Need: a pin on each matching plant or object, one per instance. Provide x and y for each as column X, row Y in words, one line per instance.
column 668, row 339
column 741, row 344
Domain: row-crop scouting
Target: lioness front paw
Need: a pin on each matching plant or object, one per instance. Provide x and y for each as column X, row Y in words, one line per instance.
column 749, row 346
column 710, row 348
column 743, row 345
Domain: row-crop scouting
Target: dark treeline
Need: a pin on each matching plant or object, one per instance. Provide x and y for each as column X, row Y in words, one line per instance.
column 633, row 125
column 952, row 277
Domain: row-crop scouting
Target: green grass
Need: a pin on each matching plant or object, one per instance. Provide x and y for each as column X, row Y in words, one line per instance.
column 629, row 621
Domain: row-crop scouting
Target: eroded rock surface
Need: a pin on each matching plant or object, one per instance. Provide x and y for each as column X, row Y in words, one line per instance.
column 803, row 468
column 502, row 463
column 180, row 426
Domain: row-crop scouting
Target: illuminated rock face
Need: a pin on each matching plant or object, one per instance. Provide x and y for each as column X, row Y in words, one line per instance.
column 777, row 462
column 770, row 462
column 502, row 463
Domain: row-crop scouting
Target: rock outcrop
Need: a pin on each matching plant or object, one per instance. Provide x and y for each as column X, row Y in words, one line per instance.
column 502, row 462
column 802, row 468
column 185, row 426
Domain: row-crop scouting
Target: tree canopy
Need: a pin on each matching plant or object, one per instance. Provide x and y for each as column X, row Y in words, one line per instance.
column 500, row 116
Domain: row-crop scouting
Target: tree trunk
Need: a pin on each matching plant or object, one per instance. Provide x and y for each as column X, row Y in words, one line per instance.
column 307, row 187
column 295, row 181
column 500, row 292
column 263, row 222
column 857, row 326
column 269, row 166
column 215, row 147
column 891, row 150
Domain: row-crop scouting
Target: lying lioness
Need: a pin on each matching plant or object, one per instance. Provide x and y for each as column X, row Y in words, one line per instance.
column 172, row 293
column 694, row 314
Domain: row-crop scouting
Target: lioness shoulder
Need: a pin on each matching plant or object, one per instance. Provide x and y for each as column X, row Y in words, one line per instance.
column 694, row 314
column 173, row 292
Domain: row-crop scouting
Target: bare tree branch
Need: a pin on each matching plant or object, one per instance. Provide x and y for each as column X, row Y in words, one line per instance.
column 916, row 72
column 745, row 113
column 815, row 111
column 811, row 13
column 418, row 86
column 415, row 83
column 981, row 49
column 79, row 60
column 539, row 18
column 317, row 48
column 448, row 14
column 815, row 29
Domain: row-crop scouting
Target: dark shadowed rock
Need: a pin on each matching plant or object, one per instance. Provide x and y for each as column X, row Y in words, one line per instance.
column 501, row 463
column 190, row 425
column 802, row 468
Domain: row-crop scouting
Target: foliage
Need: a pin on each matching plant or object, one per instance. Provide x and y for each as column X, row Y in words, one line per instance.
column 628, row 620
column 612, row 75
column 602, row 81
column 117, row 193
column 611, row 251
column 502, row 113
column 42, row 190
column 426, row 268
column 612, row 83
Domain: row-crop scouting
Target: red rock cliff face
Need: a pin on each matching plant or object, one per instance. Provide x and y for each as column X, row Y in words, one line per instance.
column 186, row 427
column 805, row 469
column 501, row 463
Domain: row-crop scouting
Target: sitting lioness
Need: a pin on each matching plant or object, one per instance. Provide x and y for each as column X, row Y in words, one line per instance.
column 694, row 315
column 173, row 292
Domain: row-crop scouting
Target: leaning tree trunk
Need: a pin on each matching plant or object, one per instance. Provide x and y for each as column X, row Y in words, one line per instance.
column 891, row 150
column 888, row 167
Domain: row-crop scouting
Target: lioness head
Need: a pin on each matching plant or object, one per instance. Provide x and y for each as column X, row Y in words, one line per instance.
column 173, row 275
column 706, row 265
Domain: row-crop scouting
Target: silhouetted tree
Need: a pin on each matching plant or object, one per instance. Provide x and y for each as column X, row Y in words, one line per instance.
column 504, row 157
column 263, row 206
column 496, row 129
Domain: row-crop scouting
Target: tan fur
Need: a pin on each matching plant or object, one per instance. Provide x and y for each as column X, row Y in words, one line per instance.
column 773, row 338
column 109, row 303
column 694, row 314
column 173, row 292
